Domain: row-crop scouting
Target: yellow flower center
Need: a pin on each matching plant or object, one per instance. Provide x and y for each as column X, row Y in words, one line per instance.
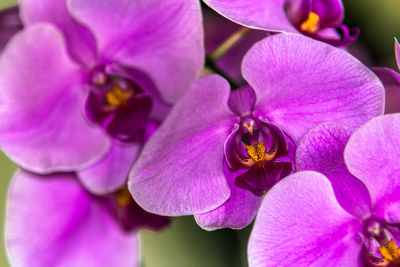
column 390, row 252
column 117, row 97
column 311, row 23
column 257, row 153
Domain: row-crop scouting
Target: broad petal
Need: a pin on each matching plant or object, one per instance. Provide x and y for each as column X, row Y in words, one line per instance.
column 52, row 221
column 237, row 212
column 111, row 172
column 180, row 170
column 300, row 223
column 266, row 15
column 372, row 155
column 41, row 105
column 321, row 150
column 169, row 48
column 81, row 42
column 300, row 83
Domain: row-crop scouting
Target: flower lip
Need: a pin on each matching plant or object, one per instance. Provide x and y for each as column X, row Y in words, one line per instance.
column 258, row 146
column 117, row 104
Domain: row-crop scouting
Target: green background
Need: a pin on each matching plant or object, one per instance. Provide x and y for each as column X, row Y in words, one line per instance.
column 184, row 243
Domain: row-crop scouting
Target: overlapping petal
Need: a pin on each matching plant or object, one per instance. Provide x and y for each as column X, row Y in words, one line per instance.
column 300, row 223
column 42, row 127
column 162, row 38
column 52, row 221
column 111, row 172
column 321, row 150
column 372, row 155
column 81, row 42
column 237, row 212
column 179, row 171
column 300, row 83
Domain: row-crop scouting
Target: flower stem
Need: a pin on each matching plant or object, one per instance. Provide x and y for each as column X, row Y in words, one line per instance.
column 228, row 44
column 211, row 59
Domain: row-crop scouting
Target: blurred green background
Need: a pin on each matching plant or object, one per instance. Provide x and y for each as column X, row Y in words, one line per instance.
column 184, row 243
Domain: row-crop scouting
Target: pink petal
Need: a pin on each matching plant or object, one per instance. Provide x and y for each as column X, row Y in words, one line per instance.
column 41, row 106
column 52, row 221
column 300, row 83
column 162, row 38
column 300, row 223
column 180, row 170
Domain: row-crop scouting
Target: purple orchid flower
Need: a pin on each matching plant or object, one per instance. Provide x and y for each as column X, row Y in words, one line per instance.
column 319, row 19
column 218, row 152
column 10, row 24
column 87, row 82
column 55, row 222
column 391, row 80
column 346, row 213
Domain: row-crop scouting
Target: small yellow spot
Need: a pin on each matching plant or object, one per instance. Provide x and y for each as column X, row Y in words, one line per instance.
column 311, row 24
column 390, row 252
column 123, row 197
column 249, row 128
column 257, row 152
column 117, row 97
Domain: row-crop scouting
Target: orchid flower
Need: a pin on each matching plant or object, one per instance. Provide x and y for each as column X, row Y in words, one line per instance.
column 87, row 82
column 318, row 19
column 56, row 222
column 342, row 208
column 218, row 152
